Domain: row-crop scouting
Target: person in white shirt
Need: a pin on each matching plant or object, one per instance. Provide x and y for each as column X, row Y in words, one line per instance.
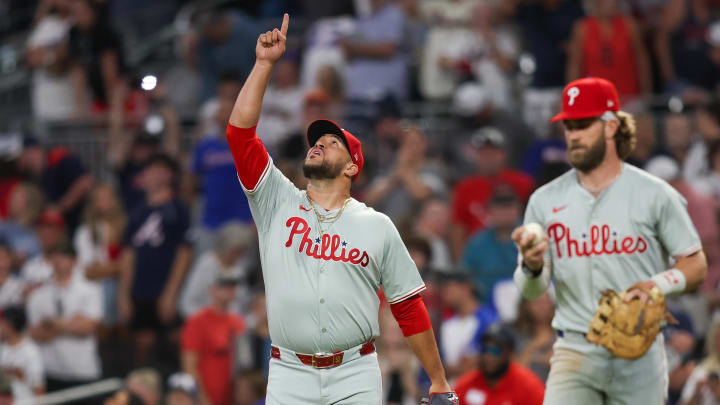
column 20, row 357
column 50, row 229
column 64, row 315
column 10, row 286
column 230, row 256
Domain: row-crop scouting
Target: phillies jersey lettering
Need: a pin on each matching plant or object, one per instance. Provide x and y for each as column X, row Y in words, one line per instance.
column 625, row 235
column 595, row 243
column 326, row 248
column 321, row 286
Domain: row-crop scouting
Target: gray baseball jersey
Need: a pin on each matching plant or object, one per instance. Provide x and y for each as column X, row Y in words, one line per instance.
column 625, row 235
column 322, row 289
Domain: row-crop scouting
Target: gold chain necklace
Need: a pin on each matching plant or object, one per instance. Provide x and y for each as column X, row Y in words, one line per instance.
column 326, row 219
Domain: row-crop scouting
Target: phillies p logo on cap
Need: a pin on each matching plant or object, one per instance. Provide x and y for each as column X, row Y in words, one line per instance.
column 586, row 98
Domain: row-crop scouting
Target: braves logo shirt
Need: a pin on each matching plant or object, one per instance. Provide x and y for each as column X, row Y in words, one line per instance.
column 321, row 287
column 627, row 234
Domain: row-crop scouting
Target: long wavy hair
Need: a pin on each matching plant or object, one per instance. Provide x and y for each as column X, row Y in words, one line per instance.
column 115, row 218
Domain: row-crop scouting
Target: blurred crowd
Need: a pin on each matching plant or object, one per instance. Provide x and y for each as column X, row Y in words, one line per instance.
column 144, row 264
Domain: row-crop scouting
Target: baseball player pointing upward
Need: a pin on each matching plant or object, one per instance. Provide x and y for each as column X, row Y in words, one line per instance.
column 324, row 256
column 608, row 225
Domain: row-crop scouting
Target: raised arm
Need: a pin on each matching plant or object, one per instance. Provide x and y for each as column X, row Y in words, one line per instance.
column 270, row 47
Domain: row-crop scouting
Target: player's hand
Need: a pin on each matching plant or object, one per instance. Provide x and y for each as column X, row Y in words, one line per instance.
column 636, row 293
column 271, row 45
column 532, row 254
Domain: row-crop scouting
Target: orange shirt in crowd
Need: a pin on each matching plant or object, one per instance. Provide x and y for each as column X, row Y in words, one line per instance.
column 519, row 386
column 472, row 195
column 211, row 334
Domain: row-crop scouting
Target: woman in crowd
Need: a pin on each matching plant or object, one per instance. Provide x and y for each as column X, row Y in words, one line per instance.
column 98, row 242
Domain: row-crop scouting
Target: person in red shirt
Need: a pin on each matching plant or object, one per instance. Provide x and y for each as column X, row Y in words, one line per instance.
column 207, row 342
column 498, row 380
column 608, row 44
column 471, row 196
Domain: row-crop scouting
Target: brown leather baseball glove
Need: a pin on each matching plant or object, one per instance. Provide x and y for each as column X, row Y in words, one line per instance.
column 628, row 329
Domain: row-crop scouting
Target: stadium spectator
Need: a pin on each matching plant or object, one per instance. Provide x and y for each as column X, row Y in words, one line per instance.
column 64, row 315
column 497, row 377
column 399, row 370
column 231, row 255
column 608, row 44
column 181, row 390
column 534, row 335
column 282, row 105
column 62, row 176
column 470, row 319
column 20, row 357
column 224, row 41
column 683, row 50
column 710, row 183
column 208, row 342
column 253, row 347
column 25, row 206
column 377, row 61
column 128, row 154
column 412, row 179
column 546, row 27
column 98, row 242
column 50, row 229
column 490, row 255
column 703, row 385
column 448, row 39
column 678, row 137
column 97, row 56
column 48, row 54
column 433, row 224
column 156, row 257
column 213, row 172
column 11, row 288
column 146, row 384
column 706, row 130
column 472, row 194
column 647, row 141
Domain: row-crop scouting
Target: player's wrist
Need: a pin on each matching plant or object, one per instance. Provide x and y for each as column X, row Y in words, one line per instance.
column 670, row 281
column 531, row 271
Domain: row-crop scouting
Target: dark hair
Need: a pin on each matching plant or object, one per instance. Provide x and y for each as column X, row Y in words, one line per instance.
column 164, row 160
column 230, row 76
column 16, row 316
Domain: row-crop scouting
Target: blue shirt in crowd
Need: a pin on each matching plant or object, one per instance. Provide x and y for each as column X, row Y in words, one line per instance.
column 224, row 197
column 489, row 261
column 156, row 233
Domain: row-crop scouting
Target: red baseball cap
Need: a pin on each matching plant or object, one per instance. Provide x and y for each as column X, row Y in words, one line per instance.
column 319, row 128
column 586, row 98
column 51, row 218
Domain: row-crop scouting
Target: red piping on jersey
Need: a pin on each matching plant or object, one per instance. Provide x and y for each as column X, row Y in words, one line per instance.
column 251, row 157
column 410, row 294
column 412, row 315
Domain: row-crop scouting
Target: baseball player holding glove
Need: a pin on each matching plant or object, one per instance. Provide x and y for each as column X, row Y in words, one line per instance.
column 324, row 256
column 615, row 241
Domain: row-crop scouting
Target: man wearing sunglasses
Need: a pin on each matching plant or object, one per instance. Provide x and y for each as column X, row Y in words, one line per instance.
column 609, row 225
column 498, row 379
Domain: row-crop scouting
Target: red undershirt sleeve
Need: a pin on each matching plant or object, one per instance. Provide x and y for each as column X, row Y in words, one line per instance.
column 412, row 315
column 251, row 157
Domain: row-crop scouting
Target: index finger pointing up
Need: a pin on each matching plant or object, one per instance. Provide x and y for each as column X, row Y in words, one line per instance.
column 285, row 23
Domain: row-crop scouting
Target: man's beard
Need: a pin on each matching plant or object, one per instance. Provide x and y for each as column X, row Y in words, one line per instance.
column 323, row 171
column 591, row 158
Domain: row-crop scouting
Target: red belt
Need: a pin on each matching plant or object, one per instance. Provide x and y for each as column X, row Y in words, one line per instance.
column 325, row 360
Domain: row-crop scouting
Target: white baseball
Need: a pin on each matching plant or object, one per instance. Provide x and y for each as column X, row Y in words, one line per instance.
column 536, row 230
